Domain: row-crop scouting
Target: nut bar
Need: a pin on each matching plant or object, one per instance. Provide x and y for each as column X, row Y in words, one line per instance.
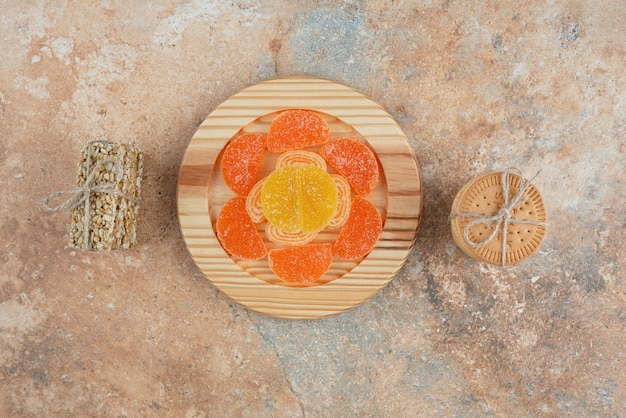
column 108, row 219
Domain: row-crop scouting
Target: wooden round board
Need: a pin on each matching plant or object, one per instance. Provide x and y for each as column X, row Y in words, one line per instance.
column 201, row 194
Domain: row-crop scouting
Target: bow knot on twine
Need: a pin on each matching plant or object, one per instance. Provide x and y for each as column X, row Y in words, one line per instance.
column 81, row 195
column 503, row 216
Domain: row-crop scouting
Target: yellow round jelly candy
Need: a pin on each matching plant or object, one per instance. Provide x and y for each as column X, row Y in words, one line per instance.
column 299, row 198
column 318, row 198
column 279, row 199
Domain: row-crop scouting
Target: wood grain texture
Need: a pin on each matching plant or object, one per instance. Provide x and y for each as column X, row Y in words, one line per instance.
column 201, row 194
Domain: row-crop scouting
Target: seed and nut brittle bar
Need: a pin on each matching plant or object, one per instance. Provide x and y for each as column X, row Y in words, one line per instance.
column 111, row 219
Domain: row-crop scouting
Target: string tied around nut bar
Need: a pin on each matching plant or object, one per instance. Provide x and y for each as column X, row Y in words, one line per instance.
column 503, row 216
column 82, row 194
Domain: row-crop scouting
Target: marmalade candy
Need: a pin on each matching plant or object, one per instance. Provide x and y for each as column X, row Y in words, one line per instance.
column 359, row 235
column 299, row 198
column 242, row 161
column 297, row 129
column 302, row 264
column 353, row 160
column 237, row 233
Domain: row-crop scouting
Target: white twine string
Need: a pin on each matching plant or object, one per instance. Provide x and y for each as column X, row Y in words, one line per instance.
column 82, row 194
column 503, row 217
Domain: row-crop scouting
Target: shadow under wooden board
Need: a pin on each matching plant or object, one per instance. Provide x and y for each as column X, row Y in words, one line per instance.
column 202, row 193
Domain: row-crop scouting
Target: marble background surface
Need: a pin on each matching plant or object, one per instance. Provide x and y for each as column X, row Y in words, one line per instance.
column 476, row 87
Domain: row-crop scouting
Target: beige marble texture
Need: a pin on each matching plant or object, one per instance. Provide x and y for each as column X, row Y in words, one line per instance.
column 476, row 86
